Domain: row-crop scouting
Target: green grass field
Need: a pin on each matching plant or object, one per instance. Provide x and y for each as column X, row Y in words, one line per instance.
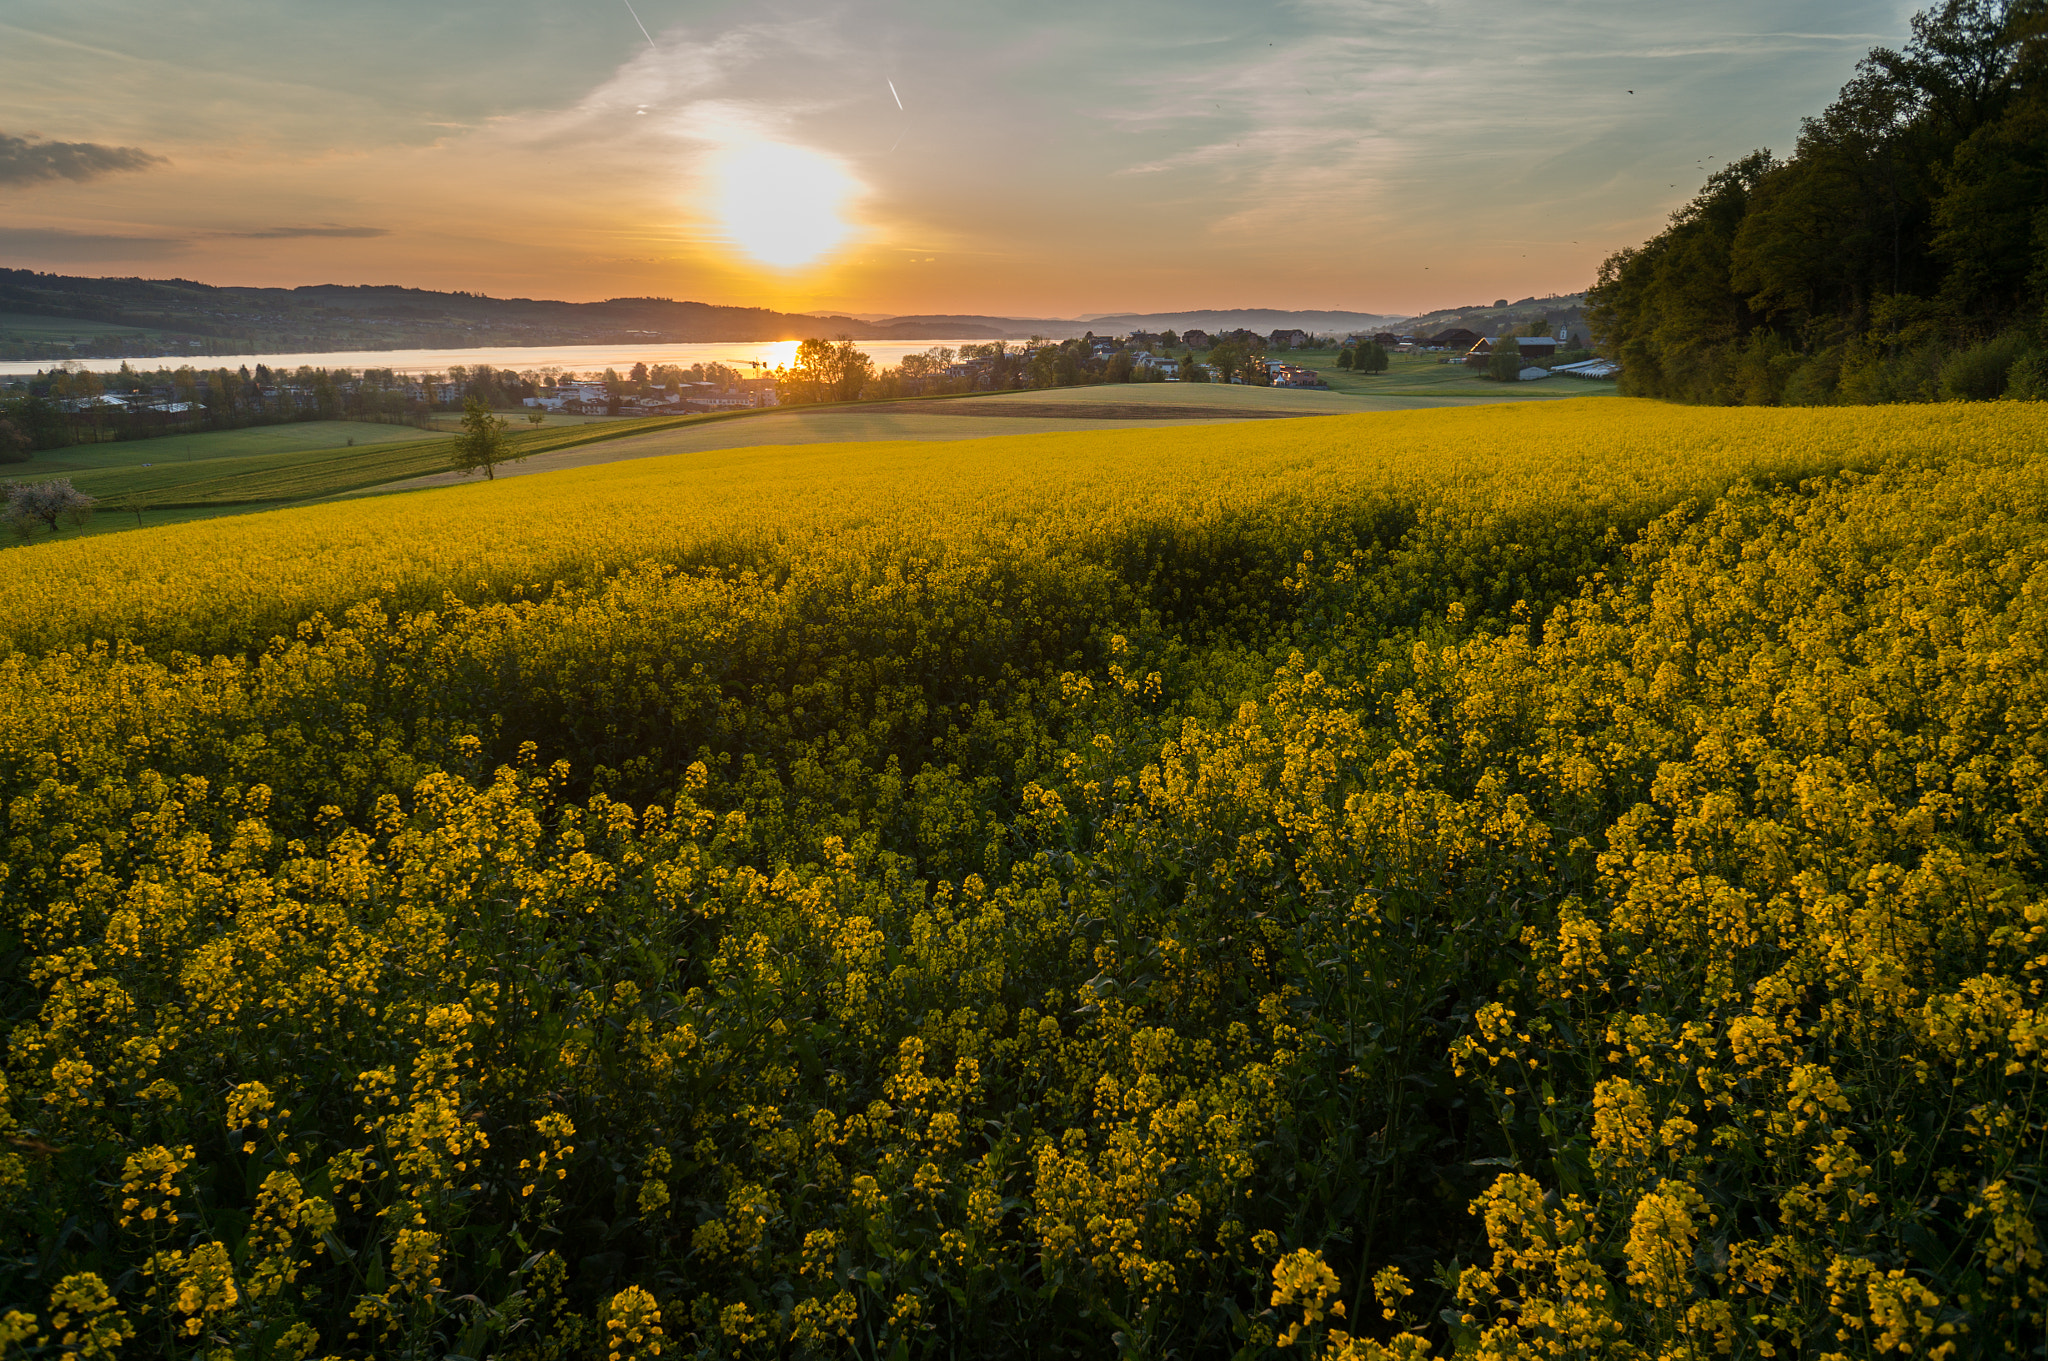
column 279, row 476
column 1415, row 377
column 516, row 416
column 216, row 444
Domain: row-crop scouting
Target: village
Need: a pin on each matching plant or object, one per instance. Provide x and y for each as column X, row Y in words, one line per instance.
column 71, row 404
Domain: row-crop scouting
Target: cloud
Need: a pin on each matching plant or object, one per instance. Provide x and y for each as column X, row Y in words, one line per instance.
column 54, row 245
column 28, row 160
column 1374, row 115
column 300, row 233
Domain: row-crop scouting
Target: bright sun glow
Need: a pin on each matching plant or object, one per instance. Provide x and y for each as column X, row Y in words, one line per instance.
column 782, row 204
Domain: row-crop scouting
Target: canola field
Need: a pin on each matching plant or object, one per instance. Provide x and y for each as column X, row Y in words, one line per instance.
column 1551, row 880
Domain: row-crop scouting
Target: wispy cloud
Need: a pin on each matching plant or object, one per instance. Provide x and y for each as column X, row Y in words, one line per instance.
column 1366, row 112
column 300, row 233
column 69, row 247
column 29, row 160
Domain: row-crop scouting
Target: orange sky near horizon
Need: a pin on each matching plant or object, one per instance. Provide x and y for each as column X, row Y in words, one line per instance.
column 1061, row 160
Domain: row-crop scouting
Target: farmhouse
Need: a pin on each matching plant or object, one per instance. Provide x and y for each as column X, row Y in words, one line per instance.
column 1288, row 340
column 1532, row 347
column 1293, row 376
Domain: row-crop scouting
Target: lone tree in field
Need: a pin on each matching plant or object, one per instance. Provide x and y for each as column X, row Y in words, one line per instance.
column 48, row 503
column 482, row 441
column 1372, row 357
column 534, row 418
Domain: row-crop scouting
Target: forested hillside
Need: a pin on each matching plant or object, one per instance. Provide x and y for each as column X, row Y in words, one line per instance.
column 1899, row 254
column 177, row 316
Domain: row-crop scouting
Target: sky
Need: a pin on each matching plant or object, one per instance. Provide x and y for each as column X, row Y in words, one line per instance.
column 895, row 157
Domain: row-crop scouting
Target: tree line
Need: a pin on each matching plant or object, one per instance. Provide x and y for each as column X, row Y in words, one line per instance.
column 836, row 371
column 1900, row 253
column 66, row 407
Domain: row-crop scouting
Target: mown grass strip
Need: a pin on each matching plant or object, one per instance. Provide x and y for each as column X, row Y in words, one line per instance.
column 326, row 472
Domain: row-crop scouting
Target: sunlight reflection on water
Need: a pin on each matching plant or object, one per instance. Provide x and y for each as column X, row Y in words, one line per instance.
column 739, row 354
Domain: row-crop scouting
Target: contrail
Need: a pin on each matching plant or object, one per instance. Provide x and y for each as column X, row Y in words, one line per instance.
column 892, row 91
column 649, row 36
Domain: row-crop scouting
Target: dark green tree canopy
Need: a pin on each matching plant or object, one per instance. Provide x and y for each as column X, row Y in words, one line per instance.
column 1908, row 226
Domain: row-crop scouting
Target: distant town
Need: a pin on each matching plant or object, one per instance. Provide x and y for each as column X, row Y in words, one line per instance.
column 71, row 404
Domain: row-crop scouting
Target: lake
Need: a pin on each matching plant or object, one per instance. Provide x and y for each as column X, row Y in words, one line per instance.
column 745, row 355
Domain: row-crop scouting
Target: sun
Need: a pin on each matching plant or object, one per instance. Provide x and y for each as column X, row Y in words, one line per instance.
column 783, row 205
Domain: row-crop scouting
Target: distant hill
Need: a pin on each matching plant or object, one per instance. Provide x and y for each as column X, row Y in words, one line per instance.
column 1488, row 319
column 1259, row 319
column 58, row 317
column 1013, row 328
column 155, row 317
column 1121, row 323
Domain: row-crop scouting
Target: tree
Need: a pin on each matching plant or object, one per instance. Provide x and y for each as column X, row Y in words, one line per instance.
column 1345, row 357
column 326, row 400
column 1227, row 357
column 852, row 370
column 535, row 417
column 808, row 376
column 1988, row 225
column 1505, row 365
column 823, row 372
column 1904, row 230
column 2027, row 380
column 14, row 442
column 47, row 503
column 1241, row 362
column 482, row 442
column 1120, row 365
column 1372, row 358
column 40, row 420
column 1190, row 371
